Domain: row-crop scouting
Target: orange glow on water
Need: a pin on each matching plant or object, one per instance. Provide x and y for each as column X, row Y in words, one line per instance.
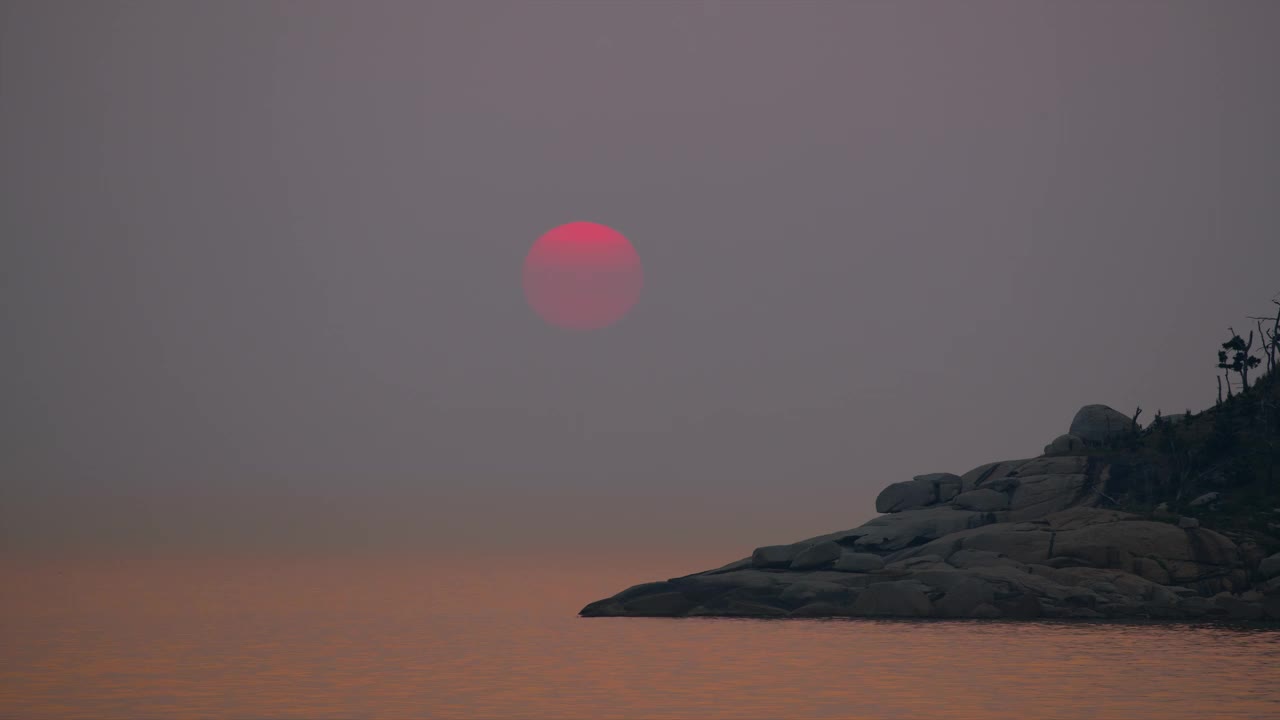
column 404, row 639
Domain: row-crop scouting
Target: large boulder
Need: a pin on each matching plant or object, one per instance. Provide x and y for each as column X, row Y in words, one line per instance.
column 906, row 495
column 1188, row 555
column 777, row 556
column 816, row 556
column 888, row 533
column 1237, row 608
column 1098, row 424
column 1147, row 568
column 1023, row 542
column 919, row 492
column 1049, row 484
column 1065, row 445
column 1010, row 581
column 946, row 485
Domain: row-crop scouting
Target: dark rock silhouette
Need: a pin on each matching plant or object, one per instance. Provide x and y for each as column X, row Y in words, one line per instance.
column 1040, row 537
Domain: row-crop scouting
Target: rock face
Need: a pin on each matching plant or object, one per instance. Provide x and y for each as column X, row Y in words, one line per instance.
column 816, row 556
column 1096, row 424
column 858, row 562
column 1011, row 539
column 980, row 474
column 894, row 598
column 946, row 485
column 982, row 500
column 1046, row 485
column 965, row 596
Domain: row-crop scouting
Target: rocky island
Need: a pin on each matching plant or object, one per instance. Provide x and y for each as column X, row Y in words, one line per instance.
column 1177, row 520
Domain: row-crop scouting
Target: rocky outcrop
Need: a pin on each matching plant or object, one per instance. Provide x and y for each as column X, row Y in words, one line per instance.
column 1011, row 539
column 1098, row 424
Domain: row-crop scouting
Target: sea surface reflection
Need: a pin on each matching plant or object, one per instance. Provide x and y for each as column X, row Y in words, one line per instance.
column 344, row 639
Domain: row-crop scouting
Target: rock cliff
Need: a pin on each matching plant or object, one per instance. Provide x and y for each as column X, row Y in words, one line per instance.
column 1028, row 538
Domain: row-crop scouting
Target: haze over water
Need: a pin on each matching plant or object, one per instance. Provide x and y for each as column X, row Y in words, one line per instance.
column 413, row 638
column 281, row 436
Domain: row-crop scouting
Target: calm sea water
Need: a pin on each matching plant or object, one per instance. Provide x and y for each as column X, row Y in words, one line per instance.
column 408, row 640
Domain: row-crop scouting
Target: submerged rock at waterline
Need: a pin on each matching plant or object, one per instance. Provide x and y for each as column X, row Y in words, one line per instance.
column 1037, row 538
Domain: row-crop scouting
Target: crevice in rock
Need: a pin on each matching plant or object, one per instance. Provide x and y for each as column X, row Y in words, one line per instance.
column 986, row 474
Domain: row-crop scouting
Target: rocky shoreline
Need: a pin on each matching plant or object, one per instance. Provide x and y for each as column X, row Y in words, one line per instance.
column 1030, row 538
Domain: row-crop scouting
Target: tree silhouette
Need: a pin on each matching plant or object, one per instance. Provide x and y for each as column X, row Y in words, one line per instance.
column 1234, row 357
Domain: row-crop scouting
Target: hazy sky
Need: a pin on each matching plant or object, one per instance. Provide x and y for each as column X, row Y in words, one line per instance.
column 261, row 262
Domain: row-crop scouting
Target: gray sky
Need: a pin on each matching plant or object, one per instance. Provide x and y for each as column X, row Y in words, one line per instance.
column 261, row 262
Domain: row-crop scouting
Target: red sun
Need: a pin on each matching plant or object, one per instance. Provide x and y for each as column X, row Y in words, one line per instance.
column 582, row 276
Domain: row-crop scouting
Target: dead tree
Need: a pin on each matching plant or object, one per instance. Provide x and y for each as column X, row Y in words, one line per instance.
column 1273, row 349
column 1270, row 336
